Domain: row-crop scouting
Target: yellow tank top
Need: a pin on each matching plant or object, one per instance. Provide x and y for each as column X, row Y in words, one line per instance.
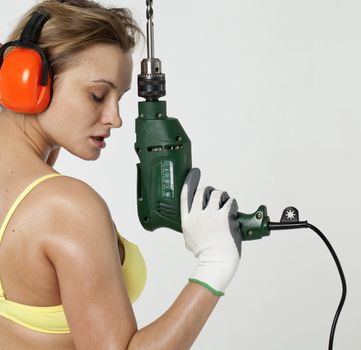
column 51, row 319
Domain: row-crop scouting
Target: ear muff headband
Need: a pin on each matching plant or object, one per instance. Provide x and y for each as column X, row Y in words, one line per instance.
column 29, row 37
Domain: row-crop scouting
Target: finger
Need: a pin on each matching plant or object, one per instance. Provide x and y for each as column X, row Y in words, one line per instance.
column 189, row 188
column 231, row 206
column 207, row 195
column 199, row 199
column 234, row 225
column 224, row 199
column 215, row 200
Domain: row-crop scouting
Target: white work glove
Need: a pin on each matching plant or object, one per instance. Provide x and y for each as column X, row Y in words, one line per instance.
column 211, row 232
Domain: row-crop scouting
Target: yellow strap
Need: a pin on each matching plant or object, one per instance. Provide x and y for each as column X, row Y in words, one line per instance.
column 20, row 198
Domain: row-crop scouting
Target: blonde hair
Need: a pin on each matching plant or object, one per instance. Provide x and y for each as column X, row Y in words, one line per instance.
column 76, row 25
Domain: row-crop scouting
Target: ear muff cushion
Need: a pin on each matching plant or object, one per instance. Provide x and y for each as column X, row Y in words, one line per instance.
column 20, row 76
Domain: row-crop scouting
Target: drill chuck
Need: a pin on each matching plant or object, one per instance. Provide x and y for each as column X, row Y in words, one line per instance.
column 151, row 81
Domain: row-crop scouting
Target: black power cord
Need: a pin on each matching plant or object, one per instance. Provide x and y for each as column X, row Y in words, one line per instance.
column 289, row 221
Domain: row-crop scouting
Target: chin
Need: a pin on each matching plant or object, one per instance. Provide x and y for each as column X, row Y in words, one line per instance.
column 85, row 154
column 90, row 156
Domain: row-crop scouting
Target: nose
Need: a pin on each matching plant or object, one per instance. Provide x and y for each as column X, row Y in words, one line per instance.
column 113, row 117
column 118, row 122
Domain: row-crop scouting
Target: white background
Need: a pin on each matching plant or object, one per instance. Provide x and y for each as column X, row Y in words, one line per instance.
column 268, row 92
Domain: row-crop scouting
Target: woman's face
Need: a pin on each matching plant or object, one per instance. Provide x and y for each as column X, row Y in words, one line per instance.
column 85, row 100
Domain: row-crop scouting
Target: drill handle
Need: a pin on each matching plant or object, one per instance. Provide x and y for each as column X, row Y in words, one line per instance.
column 255, row 225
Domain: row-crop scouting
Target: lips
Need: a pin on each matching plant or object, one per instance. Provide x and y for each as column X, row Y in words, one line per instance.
column 101, row 137
column 98, row 141
column 98, row 138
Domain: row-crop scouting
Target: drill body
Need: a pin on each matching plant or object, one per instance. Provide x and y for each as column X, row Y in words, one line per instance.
column 164, row 151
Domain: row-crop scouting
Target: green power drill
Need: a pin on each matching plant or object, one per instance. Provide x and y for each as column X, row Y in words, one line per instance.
column 164, row 151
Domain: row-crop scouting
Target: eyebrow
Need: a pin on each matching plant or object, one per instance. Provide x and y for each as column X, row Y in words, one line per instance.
column 105, row 81
column 108, row 82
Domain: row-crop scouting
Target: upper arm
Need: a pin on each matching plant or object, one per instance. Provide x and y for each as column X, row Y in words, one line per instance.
column 84, row 252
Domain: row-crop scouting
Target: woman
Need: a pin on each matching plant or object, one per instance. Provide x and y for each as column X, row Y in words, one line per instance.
column 67, row 279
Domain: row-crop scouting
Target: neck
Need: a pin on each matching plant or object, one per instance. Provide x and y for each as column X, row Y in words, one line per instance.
column 26, row 132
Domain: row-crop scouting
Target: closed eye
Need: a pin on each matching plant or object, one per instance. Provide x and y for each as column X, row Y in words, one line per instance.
column 97, row 99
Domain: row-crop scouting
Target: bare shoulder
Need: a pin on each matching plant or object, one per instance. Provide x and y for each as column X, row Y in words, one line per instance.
column 74, row 210
column 67, row 191
column 68, row 195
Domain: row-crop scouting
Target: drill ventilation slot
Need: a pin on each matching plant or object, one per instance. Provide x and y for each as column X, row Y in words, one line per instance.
column 155, row 148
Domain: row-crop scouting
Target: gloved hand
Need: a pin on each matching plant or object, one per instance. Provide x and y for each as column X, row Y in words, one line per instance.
column 211, row 232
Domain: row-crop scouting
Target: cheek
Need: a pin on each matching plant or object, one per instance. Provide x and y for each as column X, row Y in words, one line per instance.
column 70, row 118
column 67, row 113
column 69, row 101
column 61, row 124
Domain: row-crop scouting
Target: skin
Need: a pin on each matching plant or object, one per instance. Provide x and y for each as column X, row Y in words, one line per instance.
column 60, row 245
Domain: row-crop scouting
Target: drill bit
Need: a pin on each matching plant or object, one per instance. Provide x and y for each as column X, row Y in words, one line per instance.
column 150, row 29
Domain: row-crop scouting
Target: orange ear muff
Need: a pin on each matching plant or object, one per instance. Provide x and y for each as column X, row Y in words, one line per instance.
column 20, row 89
column 25, row 74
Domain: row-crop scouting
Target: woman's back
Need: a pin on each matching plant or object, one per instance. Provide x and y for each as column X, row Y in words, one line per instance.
column 27, row 275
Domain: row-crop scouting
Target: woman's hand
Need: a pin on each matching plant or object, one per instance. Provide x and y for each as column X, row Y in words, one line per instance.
column 211, row 232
